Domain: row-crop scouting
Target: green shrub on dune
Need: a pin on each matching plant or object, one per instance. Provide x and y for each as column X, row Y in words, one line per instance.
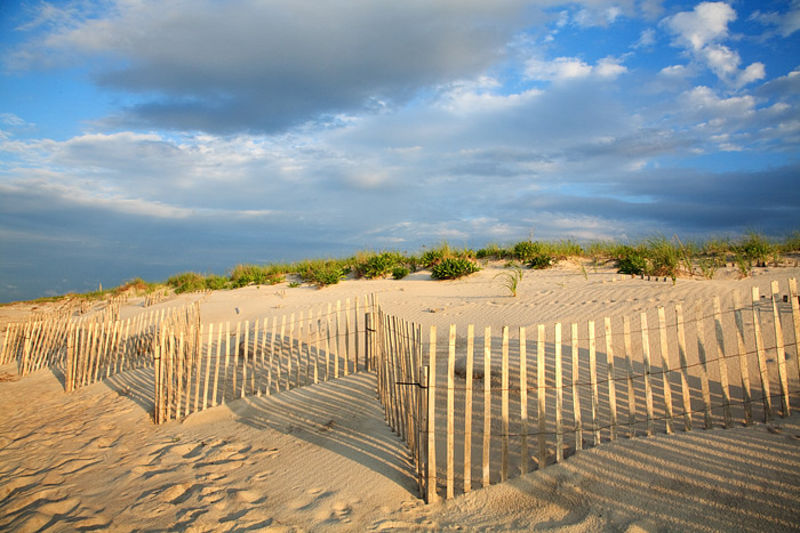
column 453, row 268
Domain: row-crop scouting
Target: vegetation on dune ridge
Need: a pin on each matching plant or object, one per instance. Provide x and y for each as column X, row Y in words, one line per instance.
column 653, row 256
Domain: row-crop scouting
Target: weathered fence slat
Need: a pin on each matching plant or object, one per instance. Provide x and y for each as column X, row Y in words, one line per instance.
column 701, row 354
column 780, row 351
column 762, row 358
column 747, row 399
column 612, row 391
column 468, row 408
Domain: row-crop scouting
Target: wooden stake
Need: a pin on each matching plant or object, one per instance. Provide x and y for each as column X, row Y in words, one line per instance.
column 648, row 389
column 227, row 359
column 290, row 355
column 626, row 334
column 190, row 363
column 762, row 361
column 216, row 365
column 487, row 406
column 523, row 400
column 236, row 349
column 451, row 360
column 339, row 340
column 198, row 368
column 328, row 346
column 299, row 351
column 253, row 359
column 795, row 321
column 68, row 373
column 157, row 384
column 245, row 356
column 593, row 378
column 273, row 335
column 347, row 329
column 181, row 360
column 317, row 348
column 208, row 365
column 723, row 365
column 468, row 410
column 559, row 396
column 612, row 390
column 701, row 353
column 687, row 403
column 576, row 402
column 504, row 404
column 743, row 370
column 665, row 368
column 780, row 352
column 541, row 392
column 432, row 475
column 170, row 374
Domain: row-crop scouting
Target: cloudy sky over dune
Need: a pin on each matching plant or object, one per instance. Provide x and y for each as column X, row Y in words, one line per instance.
column 141, row 138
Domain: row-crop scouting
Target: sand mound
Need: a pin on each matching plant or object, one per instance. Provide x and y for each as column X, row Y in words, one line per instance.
column 321, row 458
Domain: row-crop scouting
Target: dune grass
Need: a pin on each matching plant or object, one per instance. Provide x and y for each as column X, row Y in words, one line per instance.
column 653, row 256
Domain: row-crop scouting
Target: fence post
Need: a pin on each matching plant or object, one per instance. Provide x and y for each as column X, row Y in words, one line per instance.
column 648, row 389
column 468, row 409
column 687, row 404
column 559, row 395
column 369, row 335
column 743, row 371
column 69, row 368
column 795, row 321
column 780, row 352
column 157, row 385
column 420, row 429
column 701, row 354
column 430, row 418
column 762, row 362
column 576, row 404
column 723, row 365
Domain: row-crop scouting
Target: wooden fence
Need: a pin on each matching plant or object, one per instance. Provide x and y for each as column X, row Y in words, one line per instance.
column 401, row 379
column 196, row 366
column 41, row 340
column 262, row 357
column 467, row 421
column 471, row 421
column 100, row 348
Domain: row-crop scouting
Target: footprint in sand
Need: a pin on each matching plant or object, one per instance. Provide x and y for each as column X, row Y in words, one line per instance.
column 341, row 512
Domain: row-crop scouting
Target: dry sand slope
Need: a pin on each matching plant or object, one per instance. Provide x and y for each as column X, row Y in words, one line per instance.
column 321, row 458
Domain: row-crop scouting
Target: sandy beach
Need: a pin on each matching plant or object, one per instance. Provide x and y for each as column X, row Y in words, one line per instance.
column 321, row 457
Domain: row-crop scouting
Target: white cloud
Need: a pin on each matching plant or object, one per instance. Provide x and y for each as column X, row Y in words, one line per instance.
column 601, row 13
column 570, row 68
column 752, row 73
column 609, row 67
column 704, row 102
column 674, row 71
column 706, row 23
column 785, row 23
column 701, row 31
column 646, row 39
column 10, row 119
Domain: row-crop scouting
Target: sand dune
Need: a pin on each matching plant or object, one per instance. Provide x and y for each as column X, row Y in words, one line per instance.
column 321, row 458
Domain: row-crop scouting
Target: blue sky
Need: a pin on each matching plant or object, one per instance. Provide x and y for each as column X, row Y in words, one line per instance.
column 143, row 138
